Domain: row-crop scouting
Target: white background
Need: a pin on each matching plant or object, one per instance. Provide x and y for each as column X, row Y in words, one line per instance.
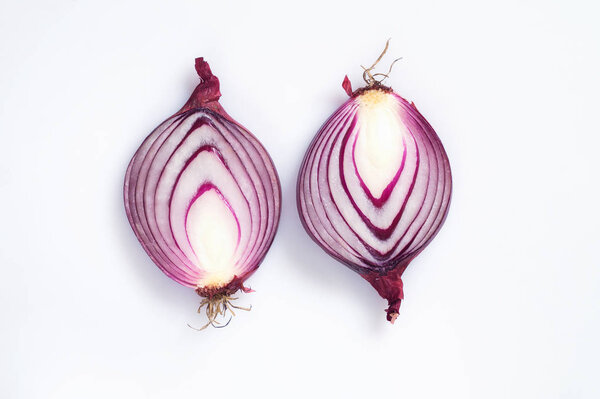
column 503, row 304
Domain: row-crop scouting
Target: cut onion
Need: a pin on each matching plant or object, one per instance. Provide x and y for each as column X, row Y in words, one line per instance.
column 203, row 197
column 374, row 187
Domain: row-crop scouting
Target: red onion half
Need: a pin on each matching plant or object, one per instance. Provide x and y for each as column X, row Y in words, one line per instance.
column 374, row 187
column 203, row 198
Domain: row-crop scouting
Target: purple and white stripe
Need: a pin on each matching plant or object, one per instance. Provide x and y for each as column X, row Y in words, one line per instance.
column 374, row 212
column 193, row 155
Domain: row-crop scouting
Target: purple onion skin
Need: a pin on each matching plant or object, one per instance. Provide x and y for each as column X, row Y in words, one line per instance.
column 199, row 152
column 374, row 187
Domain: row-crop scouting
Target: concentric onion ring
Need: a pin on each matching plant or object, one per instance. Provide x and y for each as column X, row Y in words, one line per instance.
column 374, row 187
column 203, row 196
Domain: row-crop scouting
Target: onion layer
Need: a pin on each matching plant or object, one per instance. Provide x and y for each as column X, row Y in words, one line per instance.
column 374, row 187
column 203, row 196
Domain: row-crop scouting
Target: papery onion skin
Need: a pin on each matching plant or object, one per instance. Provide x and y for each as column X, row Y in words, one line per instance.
column 374, row 187
column 202, row 195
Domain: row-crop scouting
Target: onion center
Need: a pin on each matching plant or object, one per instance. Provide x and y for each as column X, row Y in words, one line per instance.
column 213, row 234
column 379, row 147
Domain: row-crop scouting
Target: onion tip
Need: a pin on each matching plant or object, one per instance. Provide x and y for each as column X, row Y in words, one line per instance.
column 207, row 93
column 389, row 286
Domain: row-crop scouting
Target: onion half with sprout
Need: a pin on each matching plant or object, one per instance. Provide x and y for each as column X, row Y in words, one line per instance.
column 203, row 198
column 374, row 186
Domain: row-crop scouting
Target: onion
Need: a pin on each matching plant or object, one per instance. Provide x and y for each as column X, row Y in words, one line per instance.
column 203, row 198
column 374, row 187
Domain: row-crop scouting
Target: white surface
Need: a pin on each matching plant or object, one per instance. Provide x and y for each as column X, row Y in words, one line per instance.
column 503, row 304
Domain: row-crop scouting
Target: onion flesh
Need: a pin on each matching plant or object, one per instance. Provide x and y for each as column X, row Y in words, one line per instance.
column 203, row 197
column 374, row 187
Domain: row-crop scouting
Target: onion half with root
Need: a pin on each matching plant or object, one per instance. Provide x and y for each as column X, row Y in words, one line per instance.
column 203, row 198
column 374, row 186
